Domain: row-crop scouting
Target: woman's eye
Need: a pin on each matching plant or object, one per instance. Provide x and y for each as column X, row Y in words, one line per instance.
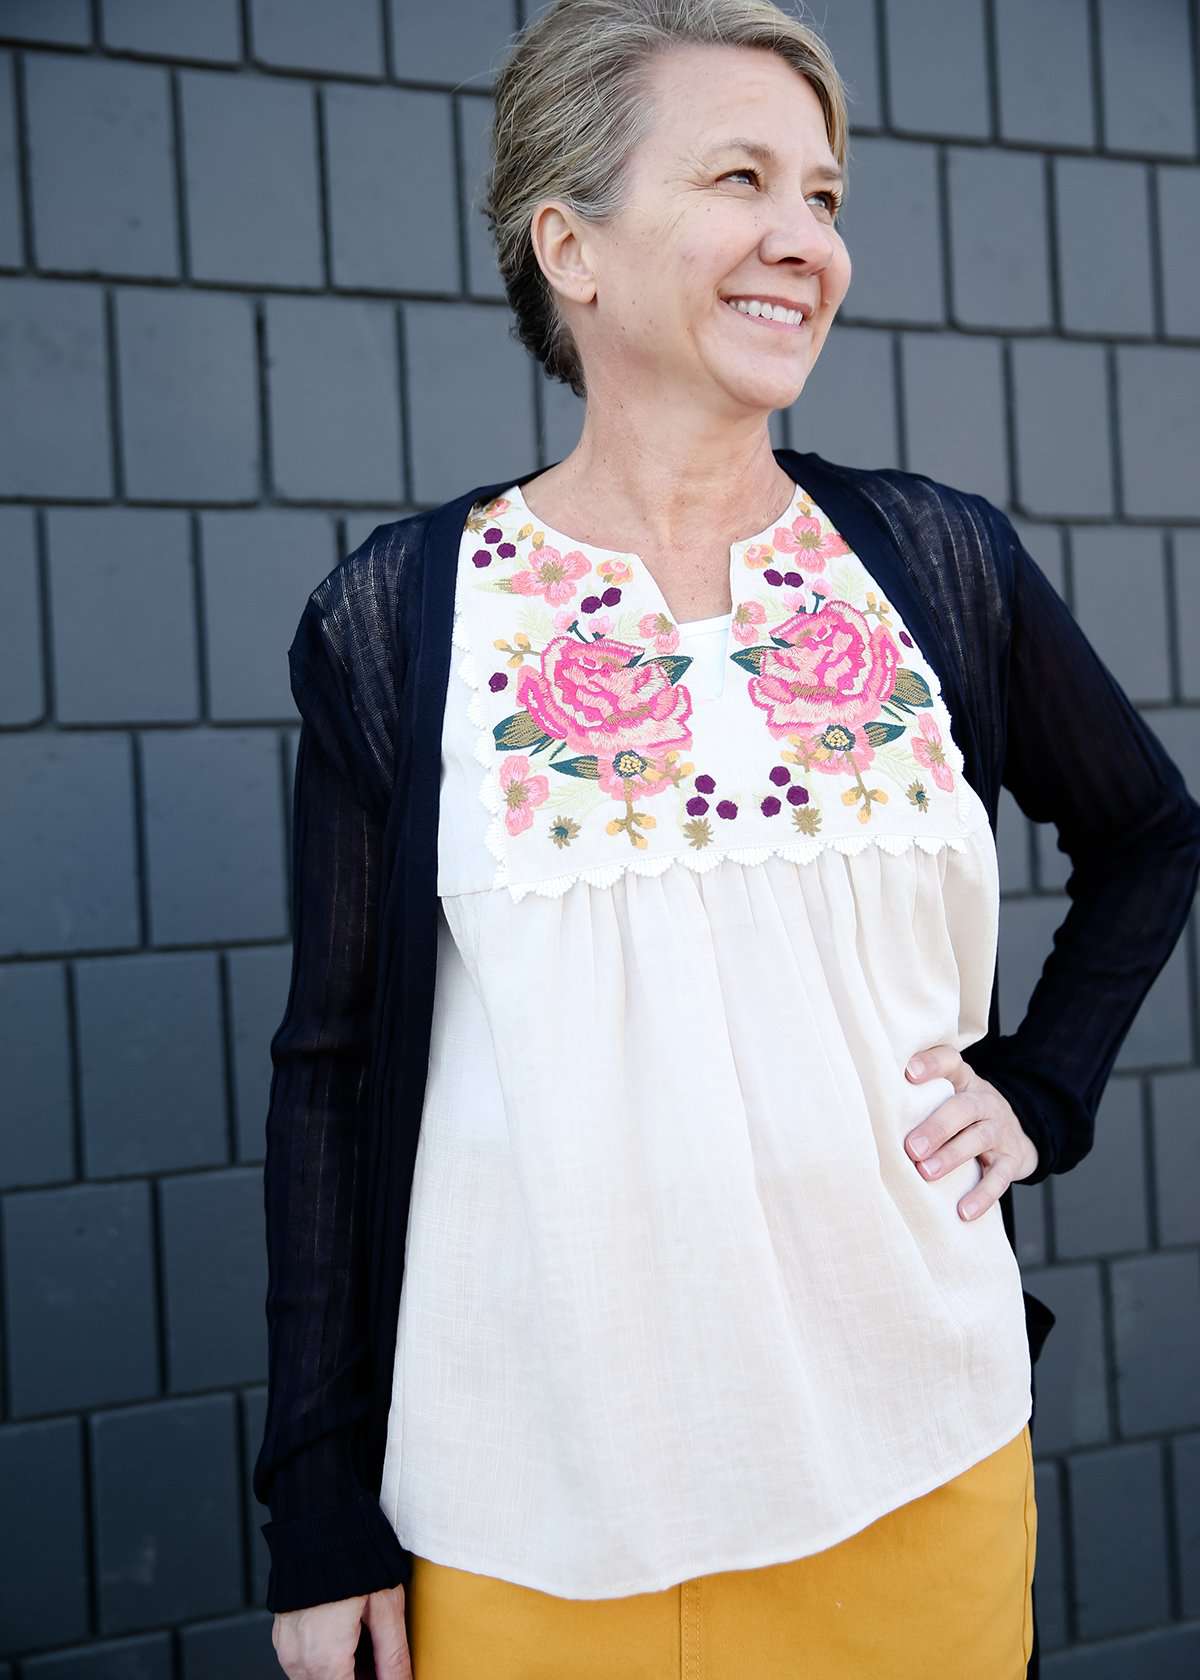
column 753, row 172
column 833, row 199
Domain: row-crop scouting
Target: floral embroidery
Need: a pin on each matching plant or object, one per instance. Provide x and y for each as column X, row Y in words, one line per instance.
column 590, row 704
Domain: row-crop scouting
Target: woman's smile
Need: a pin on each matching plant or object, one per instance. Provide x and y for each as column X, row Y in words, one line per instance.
column 766, row 320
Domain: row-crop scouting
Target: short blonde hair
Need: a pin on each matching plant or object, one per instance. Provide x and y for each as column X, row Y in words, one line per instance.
column 572, row 104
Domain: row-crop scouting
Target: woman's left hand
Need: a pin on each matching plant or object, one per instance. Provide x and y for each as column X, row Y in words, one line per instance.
column 976, row 1120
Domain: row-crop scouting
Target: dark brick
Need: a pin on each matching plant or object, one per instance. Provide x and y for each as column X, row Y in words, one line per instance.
column 189, row 405
column 1169, row 1654
column 254, row 1418
column 214, row 1267
column 43, row 1555
column 1118, row 1525
column 346, row 39
column 1049, row 1575
column 1160, row 430
column 1044, row 72
column 67, row 23
column 35, row 1116
column 214, row 839
column 1147, row 92
column 1185, row 1465
column 943, row 90
column 483, row 270
column 238, row 1648
column 459, row 41
column 1012, row 844
column 1175, row 1103
column 830, row 418
column 168, row 1546
column 1072, row 1399
column 256, row 570
column 152, row 1084
column 145, row 1656
column 1121, row 604
column 122, row 619
column 390, row 168
column 67, row 844
column 945, row 373
column 1106, row 284
column 258, row 989
column 1100, row 1207
column 1063, row 440
column 849, row 30
column 10, row 204
column 1179, row 221
column 470, row 398
column 892, row 227
column 54, row 437
column 79, row 1283
column 101, row 165
column 22, row 694
column 1156, row 1308
column 334, row 395
column 250, row 164
column 177, row 28
column 998, row 246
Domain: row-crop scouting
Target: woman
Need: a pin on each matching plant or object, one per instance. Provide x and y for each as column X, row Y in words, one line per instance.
column 703, row 1357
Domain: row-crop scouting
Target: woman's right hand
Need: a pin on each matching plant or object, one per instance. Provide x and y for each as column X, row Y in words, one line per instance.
column 319, row 1643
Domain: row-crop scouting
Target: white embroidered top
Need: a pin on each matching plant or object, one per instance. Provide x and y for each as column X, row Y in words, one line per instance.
column 676, row 1299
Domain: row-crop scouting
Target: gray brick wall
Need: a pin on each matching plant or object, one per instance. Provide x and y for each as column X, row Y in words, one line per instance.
column 244, row 287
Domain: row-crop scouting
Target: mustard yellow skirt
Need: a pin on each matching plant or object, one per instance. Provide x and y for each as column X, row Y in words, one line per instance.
column 941, row 1586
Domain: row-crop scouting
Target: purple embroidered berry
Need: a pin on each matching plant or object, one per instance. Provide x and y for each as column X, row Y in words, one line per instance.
column 772, row 577
column 590, row 603
column 727, row 808
column 781, row 775
column 481, row 557
column 906, row 638
column 506, row 550
column 770, row 806
column 497, row 681
column 492, row 534
column 797, row 796
column 697, row 807
column 611, row 596
column 793, row 579
column 705, row 784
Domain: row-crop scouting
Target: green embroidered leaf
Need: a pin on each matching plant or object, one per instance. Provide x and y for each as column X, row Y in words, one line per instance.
column 520, row 733
column 674, row 664
column 880, row 733
column 780, row 641
column 911, row 689
column 587, row 767
column 750, row 659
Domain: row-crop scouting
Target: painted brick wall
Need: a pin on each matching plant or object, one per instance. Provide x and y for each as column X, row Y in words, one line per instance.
column 248, row 309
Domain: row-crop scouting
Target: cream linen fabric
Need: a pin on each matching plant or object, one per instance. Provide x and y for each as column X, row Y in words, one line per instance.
column 675, row 1299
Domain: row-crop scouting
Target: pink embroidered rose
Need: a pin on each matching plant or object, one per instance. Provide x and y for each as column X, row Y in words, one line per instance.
column 928, row 750
column 588, row 695
column 657, row 627
column 551, row 574
column 614, row 571
column 837, row 670
column 522, row 792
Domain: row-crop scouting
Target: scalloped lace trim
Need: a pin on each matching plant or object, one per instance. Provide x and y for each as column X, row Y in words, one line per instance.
column 971, row 810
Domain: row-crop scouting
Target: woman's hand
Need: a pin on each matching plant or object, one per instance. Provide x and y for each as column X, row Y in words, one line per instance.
column 319, row 1643
column 976, row 1120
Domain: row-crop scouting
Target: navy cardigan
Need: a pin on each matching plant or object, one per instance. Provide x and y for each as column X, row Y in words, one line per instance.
column 1032, row 708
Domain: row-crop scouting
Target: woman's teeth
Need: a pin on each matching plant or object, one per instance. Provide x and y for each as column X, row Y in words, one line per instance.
column 774, row 312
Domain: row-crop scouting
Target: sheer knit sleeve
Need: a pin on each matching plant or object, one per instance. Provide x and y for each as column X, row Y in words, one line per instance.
column 328, row 1536
column 1080, row 756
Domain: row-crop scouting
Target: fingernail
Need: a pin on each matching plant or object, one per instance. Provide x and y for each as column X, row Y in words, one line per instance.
column 914, row 1065
column 968, row 1209
column 920, row 1145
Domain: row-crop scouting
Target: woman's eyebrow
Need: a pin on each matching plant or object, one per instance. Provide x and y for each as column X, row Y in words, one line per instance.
column 766, row 154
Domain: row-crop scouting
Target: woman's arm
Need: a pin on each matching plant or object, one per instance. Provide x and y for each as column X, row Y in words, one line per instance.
column 328, row 1536
column 1080, row 755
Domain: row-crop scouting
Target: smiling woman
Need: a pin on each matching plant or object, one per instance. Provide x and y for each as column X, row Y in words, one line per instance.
column 646, row 813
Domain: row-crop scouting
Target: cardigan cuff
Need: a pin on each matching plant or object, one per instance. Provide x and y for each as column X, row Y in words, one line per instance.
column 342, row 1552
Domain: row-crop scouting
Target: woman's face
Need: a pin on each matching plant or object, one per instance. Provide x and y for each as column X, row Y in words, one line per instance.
column 706, row 220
